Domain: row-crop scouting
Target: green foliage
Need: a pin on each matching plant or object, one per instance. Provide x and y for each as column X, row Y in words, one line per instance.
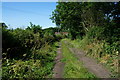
column 78, row 18
column 94, row 27
column 11, row 44
column 73, row 67
column 95, row 33
column 67, row 16
column 39, row 66
column 28, row 53
column 31, row 69
column 112, row 33
column 106, row 54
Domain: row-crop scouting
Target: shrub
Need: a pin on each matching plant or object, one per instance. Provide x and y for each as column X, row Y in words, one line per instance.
column 95, row 33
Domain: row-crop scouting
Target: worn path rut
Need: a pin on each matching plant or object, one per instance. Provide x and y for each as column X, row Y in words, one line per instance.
column 59, row 66
column 91, row 64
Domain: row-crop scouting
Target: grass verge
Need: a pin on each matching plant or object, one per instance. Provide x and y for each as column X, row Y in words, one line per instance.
column 73, row 67
column 101, row 52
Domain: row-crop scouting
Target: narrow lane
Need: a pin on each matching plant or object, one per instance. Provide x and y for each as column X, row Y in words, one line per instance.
column 59, row 66
column 91, row 64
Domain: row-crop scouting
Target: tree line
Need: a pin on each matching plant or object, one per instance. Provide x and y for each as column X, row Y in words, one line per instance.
column 80, row 17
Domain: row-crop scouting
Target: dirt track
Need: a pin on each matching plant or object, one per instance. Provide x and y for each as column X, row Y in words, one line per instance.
column 59, row 66
column 91, row 64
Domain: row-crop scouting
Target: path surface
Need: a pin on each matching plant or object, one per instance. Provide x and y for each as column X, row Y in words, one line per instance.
column 59, row 66
column 91, row 64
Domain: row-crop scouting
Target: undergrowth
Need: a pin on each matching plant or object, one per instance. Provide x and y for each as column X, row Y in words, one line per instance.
column 104, row 53
column 39, row 66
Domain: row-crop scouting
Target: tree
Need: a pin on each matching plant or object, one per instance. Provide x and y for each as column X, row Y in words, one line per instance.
column 67, row 16
column 79, row 17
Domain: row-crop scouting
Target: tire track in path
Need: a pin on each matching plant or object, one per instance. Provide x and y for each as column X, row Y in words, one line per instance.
column 59, row 66
column 91, row 64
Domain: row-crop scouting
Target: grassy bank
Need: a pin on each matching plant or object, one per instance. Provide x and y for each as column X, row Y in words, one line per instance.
column 101, row 51
column 73, row 67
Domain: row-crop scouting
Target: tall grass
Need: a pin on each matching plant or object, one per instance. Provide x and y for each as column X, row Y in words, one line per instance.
column 101, row 51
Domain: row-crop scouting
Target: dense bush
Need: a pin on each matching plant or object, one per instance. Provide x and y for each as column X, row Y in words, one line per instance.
column 28, row 53
column 95, row 33
column 31, row 69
